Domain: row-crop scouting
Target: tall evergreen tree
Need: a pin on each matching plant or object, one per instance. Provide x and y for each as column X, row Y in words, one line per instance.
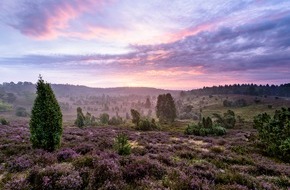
column 165, row 109
column 46, row 119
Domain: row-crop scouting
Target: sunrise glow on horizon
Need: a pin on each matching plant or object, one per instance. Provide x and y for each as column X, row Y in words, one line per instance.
column 179, row 44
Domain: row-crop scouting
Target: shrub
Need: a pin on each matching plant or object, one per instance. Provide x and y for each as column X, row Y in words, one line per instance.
column 137, row 169
column 146, row 125
column 122, row 145
column 192, row 129
column 104, row 170
column 178, row 180
column 45, row 158
column 274, row 132
column 66, row 155
column 228, row 120
column 46, row 119
column 207, row 122
column 17, row 183
column 3, row 121
column 232, row 177
column 219, row 130
column 5, row 106
column 84, row 161
column 21, row 112
column 135, row 116
column 80, row 121
column 115, row 120
column 72, row 181
column 104, row 118
column 19, row 164
column 205, row 128
column 83, row 148
column 60, row 176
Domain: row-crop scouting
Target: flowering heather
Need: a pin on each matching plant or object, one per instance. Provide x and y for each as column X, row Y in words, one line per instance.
column 158, row 160
column 19, row 164
column 66, row 154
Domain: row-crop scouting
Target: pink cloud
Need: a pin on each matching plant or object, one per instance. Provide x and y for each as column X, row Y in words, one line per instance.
column 49, row 19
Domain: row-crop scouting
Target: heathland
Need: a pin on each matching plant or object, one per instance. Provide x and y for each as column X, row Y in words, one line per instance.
column 126, row 138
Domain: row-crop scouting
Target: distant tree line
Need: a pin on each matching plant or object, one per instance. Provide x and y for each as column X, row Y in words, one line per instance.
column 244, row 89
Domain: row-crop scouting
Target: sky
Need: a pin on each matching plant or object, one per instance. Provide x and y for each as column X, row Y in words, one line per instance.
column 176, row 44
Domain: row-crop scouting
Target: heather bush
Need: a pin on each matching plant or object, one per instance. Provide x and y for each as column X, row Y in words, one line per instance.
column 46, row 119
column 104, row 144
column 178, row 180
column 201, row 169
column 83, row 161
column 238, row 159
column 283, row 182
column 17, row 183
column 185, row 154
column 83, row 148
column 19, row 164
column 137, row 168
column 104, row 170
column 45, row 158
column 139, row 151
column 113, row 185
column 66, row 154
column 122, row 145
column 59, row 176
column 166, row 159
column 274, row 133
column 72, row 181
column 16, row 149
column 233, row 177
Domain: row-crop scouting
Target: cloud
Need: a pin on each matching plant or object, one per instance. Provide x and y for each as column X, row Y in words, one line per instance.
column 251, row 46
column 245, row 41
column 47, row 19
